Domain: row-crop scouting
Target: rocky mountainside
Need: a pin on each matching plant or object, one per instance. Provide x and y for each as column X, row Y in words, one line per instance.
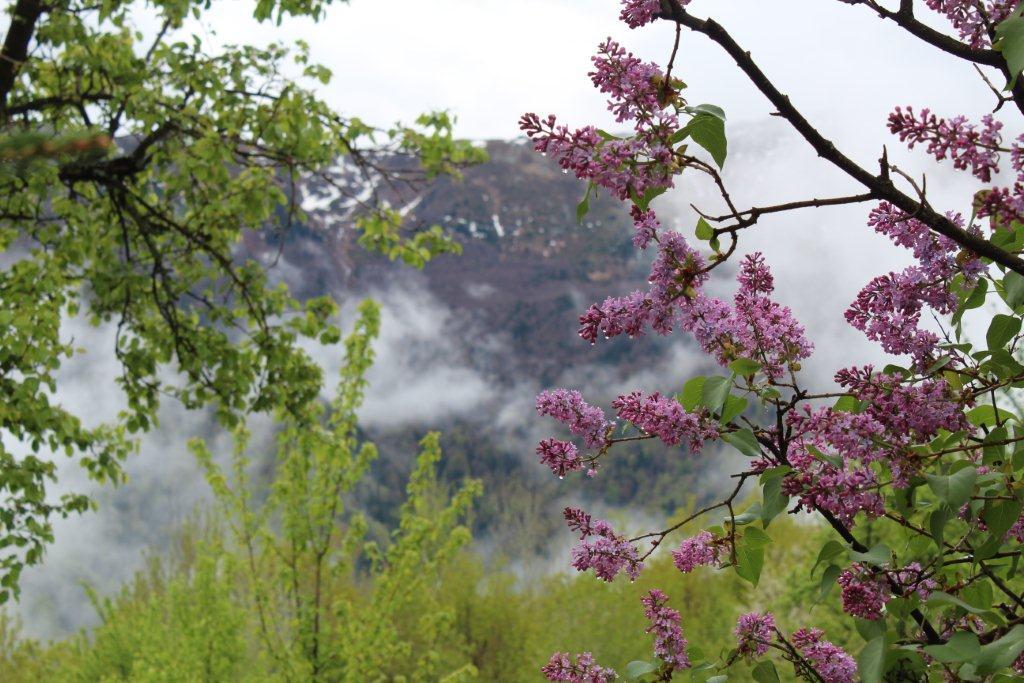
column 504, row 315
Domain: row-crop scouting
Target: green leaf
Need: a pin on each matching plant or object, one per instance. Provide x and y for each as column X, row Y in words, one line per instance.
column 1010, row 35
column 986, row 415
column 1002, row 653
column 878, row 555
column 637, row 668
column 689, row 398
column 745, row 367
column 744, row 441
column 869, row 630
column 829, row 551
column 708, row 131
column 937, row 521
column 871, row 662
column 962, row 646
column 583, row 208
column 1000, row 515
column 953, row 489
column 774, row 500
column 975, row 299
column 940, row 599
column 1002, row 329
column 847, row 404
column 734, row 405
column 765, row 672
column 828, row 579
column 704, row 231
column 750, row 554
column 712, row 109
column 714, row 393
column 1013, row 289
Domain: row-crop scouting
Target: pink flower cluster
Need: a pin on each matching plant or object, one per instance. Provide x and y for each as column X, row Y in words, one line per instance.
column 832, row 663
column 665, row 418
column 631, row 84
column 675, row 274
column 971, row 147
column 912, row 578
column 864, row 592
column 888, row 310
column 637, row 13
column 910, row 413
column 754, row 326
column 754, row 632
column 896, row 416
column 646, row 227
column 637, row 93
column 968, row 146
column 561, row 456
column 654, row 414
column 669, row 643
column 581, row 669
column 568, row 407
column 702, row 550
column 974, row 20
column 607, row 554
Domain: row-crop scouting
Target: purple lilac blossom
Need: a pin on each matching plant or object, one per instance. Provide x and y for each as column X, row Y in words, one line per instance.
column 583, row 670
column 669, row 643
column 832, row 663
column 701, row 550
column 600, row 548
column 753, row 633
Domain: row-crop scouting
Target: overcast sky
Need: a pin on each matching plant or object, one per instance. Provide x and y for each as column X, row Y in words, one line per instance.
column 490, row 60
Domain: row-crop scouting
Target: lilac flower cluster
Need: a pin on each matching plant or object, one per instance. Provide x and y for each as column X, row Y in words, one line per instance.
column 753, row 326
column 607, row 554
column 646, row 227
column 974, row 20
column 909, row 413
column 637, row 13
column 971, row 147
column 669, row 643
column 675, row 274
column 968, row 146
column 569, row 408
column 702, row 550
column 912, row 578
column 832, row 663
column 753, row 633
column 582, row 669
column 864, row 592
column 896, row 416
column 665, row 418
column 638, row 93
column 561, row 456
column 888, row 310
column 631, row 83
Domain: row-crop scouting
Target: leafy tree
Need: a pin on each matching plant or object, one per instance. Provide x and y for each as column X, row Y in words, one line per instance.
column 915, row 468
column 287, row 585
column 131, row 167
column 300, row 546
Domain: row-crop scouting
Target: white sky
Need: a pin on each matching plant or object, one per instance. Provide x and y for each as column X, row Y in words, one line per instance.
column 490, row 60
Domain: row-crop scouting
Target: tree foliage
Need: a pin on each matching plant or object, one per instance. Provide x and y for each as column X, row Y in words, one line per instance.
column 131, row 165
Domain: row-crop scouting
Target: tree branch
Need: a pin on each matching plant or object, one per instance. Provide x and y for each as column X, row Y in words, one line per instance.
column 881, row 186
column 15, row 49
column 904, row 17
